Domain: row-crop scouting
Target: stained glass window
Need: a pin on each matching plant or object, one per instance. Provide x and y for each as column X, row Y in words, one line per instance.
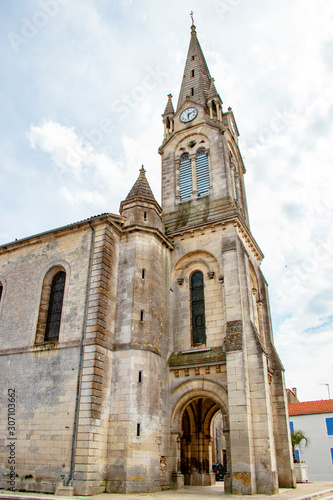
column 198, row 308
column 55, row 307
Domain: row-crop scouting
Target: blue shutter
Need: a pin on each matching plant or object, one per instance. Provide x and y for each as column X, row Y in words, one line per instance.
column 291, row 424
column 332, row 454
column 202, row 169
column 329, row 425
column 297, row 455
column 185, row 177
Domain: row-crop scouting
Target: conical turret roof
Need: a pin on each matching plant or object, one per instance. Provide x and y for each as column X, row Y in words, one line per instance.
column 141, row 188
column 169, row 110
column 212, row 91
column 196, row 79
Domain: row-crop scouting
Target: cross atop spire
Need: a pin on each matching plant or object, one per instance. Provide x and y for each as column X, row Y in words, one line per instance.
column 191, row 14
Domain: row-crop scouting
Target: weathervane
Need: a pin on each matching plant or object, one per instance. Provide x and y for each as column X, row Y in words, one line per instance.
column 191, row 14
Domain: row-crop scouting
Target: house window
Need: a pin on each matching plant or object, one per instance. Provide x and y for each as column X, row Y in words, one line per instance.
column 185, row 177
column 198, row 308
column 202, row 169
column 55, row 307
column 329, row 425
column 332, row 454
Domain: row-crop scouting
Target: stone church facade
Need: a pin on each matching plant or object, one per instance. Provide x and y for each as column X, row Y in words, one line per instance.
column 124, row 336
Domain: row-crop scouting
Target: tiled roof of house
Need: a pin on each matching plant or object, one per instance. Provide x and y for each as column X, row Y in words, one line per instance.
column 311, row 407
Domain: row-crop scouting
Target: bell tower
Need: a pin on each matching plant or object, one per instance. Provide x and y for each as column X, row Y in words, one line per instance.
column 223, row 360
column 202, row 168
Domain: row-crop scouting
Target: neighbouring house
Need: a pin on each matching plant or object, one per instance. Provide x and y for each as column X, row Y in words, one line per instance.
column 315, row 419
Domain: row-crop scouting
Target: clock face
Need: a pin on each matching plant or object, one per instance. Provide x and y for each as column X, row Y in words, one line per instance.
column 188, row 115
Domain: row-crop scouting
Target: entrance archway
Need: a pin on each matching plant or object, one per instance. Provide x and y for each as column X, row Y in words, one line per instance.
column 196, row 403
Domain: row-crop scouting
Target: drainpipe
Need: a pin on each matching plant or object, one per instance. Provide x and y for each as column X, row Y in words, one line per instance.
column 79, row 375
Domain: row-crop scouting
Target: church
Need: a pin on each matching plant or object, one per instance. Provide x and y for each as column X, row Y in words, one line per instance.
column 125, row 338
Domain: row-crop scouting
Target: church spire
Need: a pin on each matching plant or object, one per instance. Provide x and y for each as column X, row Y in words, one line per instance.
column 196, row 81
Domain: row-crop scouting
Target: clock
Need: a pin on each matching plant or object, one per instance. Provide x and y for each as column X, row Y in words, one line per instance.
column 188, row 115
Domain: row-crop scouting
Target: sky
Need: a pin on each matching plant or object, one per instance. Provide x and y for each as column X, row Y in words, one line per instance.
column 83, row 86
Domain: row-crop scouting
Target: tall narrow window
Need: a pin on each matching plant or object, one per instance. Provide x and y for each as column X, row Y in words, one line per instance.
column 185, row 177
column 236, row 185
column 55, row 307
column 198, row 308
column 202, row 169
column 0, row 291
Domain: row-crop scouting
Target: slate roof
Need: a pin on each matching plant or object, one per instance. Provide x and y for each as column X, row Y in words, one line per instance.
column 311, row 407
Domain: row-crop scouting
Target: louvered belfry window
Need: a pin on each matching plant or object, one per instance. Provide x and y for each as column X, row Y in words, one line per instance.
column 202, row 169
column 55, row 307
column 185, row 177
column 198, row 308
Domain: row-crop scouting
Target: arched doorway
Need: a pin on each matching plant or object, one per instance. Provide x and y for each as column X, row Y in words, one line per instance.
column 197, row 441
column 196, row 406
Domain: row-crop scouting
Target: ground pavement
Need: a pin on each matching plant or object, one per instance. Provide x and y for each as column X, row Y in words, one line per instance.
column 304, row 491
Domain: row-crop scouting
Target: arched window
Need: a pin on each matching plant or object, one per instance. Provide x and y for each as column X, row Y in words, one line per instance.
column 236, row 185
column 198, row 308
column 202, row 169
column 235, row 176
column 185, row 177
column 55, row 307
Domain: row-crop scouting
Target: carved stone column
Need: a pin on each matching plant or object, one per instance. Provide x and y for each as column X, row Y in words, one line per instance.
column 177, row 476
